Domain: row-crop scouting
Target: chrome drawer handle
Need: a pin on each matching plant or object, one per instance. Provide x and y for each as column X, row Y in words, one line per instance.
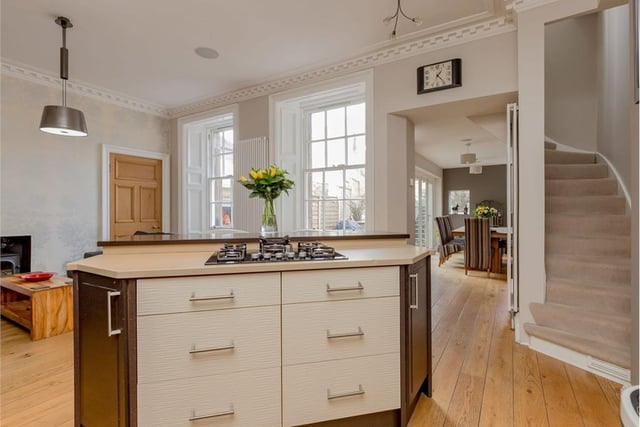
column 415, row 286
column 195, row 417
column 111, row 332
column 345, row 334
column 195, row 350
column 213, row 297
column 346, row 394
column 349, row 288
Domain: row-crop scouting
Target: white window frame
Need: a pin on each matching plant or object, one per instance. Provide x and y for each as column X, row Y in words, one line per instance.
column 183, row 180
column 212, row 180
column 287, row 127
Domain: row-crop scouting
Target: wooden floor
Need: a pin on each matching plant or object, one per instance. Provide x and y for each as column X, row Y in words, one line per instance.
column 481, row 377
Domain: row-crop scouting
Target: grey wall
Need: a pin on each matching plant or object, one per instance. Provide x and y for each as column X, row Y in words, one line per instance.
column 491, row 184
column 254, row 118
column 51, row 185
column 571, row 104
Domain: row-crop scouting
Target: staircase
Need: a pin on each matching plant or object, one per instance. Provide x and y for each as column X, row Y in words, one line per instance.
column 587, row 259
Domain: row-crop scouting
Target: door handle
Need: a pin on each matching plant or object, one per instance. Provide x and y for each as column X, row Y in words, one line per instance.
column 110, row 331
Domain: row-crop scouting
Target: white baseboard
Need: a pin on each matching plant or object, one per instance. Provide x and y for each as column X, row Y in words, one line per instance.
column 582, row 361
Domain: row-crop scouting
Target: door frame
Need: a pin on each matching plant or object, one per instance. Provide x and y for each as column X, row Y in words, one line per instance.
column 107, row 150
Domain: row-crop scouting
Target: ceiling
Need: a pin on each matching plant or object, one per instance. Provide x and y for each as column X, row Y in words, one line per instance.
column 145, row 48
column 441, row 129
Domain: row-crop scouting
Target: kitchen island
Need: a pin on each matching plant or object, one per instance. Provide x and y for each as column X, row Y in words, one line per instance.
column 163, row 339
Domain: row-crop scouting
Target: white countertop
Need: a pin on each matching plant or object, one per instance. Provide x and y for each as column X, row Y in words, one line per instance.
column 139, row 265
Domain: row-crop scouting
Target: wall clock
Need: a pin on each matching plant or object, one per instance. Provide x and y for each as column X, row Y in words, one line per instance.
column 438, row 76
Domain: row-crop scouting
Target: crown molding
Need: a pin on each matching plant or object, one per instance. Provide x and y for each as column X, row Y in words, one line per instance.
column 383, row 55
column 522, row 5
column 386, row 55
column 24, row 72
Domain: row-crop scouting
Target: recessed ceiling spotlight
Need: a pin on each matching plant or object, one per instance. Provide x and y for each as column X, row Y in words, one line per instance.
column 206, row 52
column 466, row 140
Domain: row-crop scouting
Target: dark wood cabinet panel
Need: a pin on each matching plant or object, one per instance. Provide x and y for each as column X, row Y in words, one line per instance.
column 416, row 335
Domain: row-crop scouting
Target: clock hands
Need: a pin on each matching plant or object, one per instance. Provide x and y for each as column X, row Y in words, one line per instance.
column 438, row 76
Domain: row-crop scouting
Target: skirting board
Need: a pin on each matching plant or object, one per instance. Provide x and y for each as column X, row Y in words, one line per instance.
column 582, row 361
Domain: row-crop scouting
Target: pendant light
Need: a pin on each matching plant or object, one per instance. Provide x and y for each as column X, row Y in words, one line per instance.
column 60, row 119
column 394, row 18
column 467, row 158
column 475, row 170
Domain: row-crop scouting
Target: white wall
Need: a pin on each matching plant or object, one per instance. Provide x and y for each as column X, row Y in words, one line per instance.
column 615, row 89
column 488, row 68
column 531, row 29
column 51, row 184
column 571, row 98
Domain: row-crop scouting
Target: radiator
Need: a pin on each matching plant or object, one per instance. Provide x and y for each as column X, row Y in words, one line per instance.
column 248, row 153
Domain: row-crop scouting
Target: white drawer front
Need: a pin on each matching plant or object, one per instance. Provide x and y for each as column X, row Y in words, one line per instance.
column 174, row 346
column 311, row 392
column 339, row 329
column 331, row 285
column 252, row 396
column 182, row 294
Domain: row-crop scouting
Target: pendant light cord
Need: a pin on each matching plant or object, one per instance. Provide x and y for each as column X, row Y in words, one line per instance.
column 416, row 20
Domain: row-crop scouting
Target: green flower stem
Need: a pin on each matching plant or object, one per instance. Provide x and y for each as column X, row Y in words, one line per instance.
column 269, row 219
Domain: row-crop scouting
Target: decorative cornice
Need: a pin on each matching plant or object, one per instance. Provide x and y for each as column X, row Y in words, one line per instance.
column 22, row 71
column 411, row 48
column 429, row 43
column 522, row 5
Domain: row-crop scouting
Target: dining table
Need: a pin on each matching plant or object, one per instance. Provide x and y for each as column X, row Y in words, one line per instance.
column 497, row 234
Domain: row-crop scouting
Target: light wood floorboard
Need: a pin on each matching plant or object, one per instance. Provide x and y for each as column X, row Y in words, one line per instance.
column 481, row 376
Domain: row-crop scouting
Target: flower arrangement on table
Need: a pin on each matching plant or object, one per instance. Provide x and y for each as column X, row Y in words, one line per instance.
column 485, row 212
column 267, row 184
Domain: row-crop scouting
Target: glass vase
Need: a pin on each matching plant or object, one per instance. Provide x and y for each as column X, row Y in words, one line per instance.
column 269, row 224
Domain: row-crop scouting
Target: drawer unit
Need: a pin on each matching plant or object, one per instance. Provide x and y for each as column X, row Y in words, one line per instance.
column 339, row 284
column 182, row 294
column 237, row 399
column 339, row 329
column 189, row 345
column 322, row 391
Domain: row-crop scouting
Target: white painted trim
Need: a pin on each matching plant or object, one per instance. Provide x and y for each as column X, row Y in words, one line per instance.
column 182, row 124
column 166, row 183
column 25, row 72
column 582, row 361
column 601, row 157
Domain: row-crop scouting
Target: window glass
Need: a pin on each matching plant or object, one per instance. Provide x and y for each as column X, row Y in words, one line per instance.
column 220, row 176
column 459, row 202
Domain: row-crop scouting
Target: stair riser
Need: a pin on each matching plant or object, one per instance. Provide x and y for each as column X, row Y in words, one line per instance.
column 607, row 330
column 585, row 226
column 558, row 244
column 576, row 171
column 585, row 205
column 601, row 301
column 573, row 188
column 566, row 157
column 613, row 275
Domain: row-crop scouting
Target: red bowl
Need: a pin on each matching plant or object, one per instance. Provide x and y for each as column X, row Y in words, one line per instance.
column 37, row 276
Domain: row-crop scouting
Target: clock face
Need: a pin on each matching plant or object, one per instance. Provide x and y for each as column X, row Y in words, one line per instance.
column 441, row 75
column 438, row 75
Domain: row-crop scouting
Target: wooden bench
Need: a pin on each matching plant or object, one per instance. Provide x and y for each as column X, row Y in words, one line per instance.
column 45, row 312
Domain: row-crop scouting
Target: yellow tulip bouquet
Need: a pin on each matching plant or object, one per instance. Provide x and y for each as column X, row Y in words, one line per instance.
column 267, row 184
column 485, row 212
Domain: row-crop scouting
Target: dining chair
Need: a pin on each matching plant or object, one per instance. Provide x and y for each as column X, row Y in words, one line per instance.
column 477, row 248
column 448, row 246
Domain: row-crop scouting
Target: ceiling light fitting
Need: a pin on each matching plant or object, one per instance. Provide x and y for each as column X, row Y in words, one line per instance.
column 395, row 17
column 475, row 170
column 60, row 119
column 467, row 158
column 206, row 52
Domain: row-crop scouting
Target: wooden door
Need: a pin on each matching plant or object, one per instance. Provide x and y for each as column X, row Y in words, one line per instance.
column 135, row 196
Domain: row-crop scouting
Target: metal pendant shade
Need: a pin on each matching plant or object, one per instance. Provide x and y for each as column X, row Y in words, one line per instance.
column 60, row 119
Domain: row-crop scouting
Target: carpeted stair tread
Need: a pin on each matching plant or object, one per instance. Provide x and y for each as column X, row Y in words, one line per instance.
column 580, row 171
column 590, row 296
column 584, row 205
column 615, row 271
column 581, row 187
column 568, row 157
column 588, row 225
column 603, row 245
column 617, row 355
column 605, row 327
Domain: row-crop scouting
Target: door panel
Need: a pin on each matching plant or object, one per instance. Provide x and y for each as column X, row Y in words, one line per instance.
column 136, row 195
